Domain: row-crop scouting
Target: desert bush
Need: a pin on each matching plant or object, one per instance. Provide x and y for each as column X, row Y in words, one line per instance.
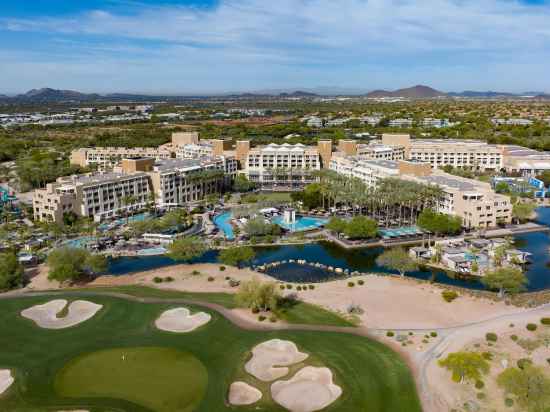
column 433, row 334
column 222, row 268
column 545, row 321
column 491, row 337
column 425, row 341
column 529, row 344
column 479, row 384
column 487, row 355
column 261, row 318
column 361, row 282
column 157, row 279
column 281, row 287
column 390, row 334
column 449, row 295
column 255, row 310
column 168, row 279
column 273, row 319
column 524, row 363
column 298, row 288
column 531, row 327
column 289, row 286
column 514, row 337
column 351, row 284
column 211, row 278
column 195, row 273
column 311, row 287
column 354, row 309
column 509, row 402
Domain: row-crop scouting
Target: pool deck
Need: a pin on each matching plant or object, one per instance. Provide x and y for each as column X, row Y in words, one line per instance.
column 503, row 232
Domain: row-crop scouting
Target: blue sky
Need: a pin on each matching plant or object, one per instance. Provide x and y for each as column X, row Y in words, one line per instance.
column 210, row 46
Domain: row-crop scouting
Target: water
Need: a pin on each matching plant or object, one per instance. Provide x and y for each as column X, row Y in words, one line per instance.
column 302, row 223
column 222, row 222
column 79, row 242
column 140, row 217
column 361, row 260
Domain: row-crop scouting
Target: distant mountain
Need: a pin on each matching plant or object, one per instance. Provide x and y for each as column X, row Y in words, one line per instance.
column 298, row 93
column 415, row 92
column 53, row 95
column 543, row 97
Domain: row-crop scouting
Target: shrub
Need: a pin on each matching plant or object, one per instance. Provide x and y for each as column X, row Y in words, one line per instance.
column 545, row 321
column 361, row 282
column 531, row 327
column 479, row 384
column 273, row 319
column 524, row 362
column 390, row 334
column 491, row 337
column 509, row 402
column 156, row 279
column 410, row 333
column 255, row 310
column 351, row 284
column 211, row 278
column 311, row 287
column 487, row 355
column 425, row 341
column 222, row 268
column 511, row 325
column 195, row 273
column 298, row 288
column 449, row 295
column 514, row 337
column 227, row 278
column 169, row 279
column 289, row 286
column 282, row 287
column 433, row 334
column 480, row 396
column 261, row 318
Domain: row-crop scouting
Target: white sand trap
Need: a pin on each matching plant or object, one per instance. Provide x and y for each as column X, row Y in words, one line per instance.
column 6, row 379
column 180, row 320
column 267, row 355
column 241, row 393
column 45, row 315
column 311, row 389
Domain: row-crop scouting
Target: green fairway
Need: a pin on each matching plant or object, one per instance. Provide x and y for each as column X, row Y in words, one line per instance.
column 82, row 367
column 147, row 376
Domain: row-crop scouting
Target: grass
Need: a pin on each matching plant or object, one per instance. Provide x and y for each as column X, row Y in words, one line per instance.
column 290, row 311
column 149, row 376
column 372, row 376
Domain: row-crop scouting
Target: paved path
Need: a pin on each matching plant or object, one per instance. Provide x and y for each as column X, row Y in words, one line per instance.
column 417, row 362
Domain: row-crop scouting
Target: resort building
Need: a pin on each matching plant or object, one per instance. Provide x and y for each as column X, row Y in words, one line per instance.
column 401, row 123
column 472, row 154
column 474, row 201
column 281, row 166
column 372, row 150
column 523, row 161
column 132, row 186
column 106, row 157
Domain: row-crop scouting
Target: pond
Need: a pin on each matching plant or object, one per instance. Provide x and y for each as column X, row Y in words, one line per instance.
column 362, row 260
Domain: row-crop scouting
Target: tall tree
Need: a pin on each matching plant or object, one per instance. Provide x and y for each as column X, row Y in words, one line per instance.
column 11, row 271
column 237, row 256
column 465, row 366
column 505, row 279
column 529, row 385
column 186, row 248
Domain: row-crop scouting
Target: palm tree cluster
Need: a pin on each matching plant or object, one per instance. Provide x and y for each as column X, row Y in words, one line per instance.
column 392, row 201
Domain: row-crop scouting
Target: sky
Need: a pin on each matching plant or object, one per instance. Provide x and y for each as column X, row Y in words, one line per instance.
column 216, row 46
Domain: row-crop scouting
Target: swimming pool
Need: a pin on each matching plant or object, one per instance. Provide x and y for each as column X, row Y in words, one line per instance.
column 223, row 222
column 79, row 242
column 302, row 223
column 400, row 232
column 119, row 222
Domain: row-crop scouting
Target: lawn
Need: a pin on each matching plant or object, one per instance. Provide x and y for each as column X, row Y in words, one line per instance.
column 51, row 366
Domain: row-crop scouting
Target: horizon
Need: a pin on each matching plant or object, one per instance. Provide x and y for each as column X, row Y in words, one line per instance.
column 209, row 47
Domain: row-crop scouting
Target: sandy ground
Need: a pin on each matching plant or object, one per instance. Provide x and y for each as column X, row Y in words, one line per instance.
column 180, row 320
column 310, row 389
column 45, row 315
column 241, row 393
column 6, row 380
column 270, row 358
column 445, row 394
column 388, row 302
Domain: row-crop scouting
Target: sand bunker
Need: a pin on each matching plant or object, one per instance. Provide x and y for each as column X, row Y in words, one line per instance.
column 180, row 320
column 6, row 379
column 311, row 389
column 45, row 315
column 241, row 393
column 267, row 355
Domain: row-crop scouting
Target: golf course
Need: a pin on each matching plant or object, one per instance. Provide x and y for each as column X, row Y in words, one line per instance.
column 118, row 360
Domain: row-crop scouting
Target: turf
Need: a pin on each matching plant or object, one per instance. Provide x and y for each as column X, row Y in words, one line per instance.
column 372, row 376
column 147, row 376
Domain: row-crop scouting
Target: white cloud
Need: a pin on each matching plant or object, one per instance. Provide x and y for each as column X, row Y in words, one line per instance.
column 248, row 42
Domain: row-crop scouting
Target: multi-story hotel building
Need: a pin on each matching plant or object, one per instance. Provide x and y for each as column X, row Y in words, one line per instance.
column 107, row 157
column 133, row 185
column 281, row 166
column 472, row 154
column 524, row 161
